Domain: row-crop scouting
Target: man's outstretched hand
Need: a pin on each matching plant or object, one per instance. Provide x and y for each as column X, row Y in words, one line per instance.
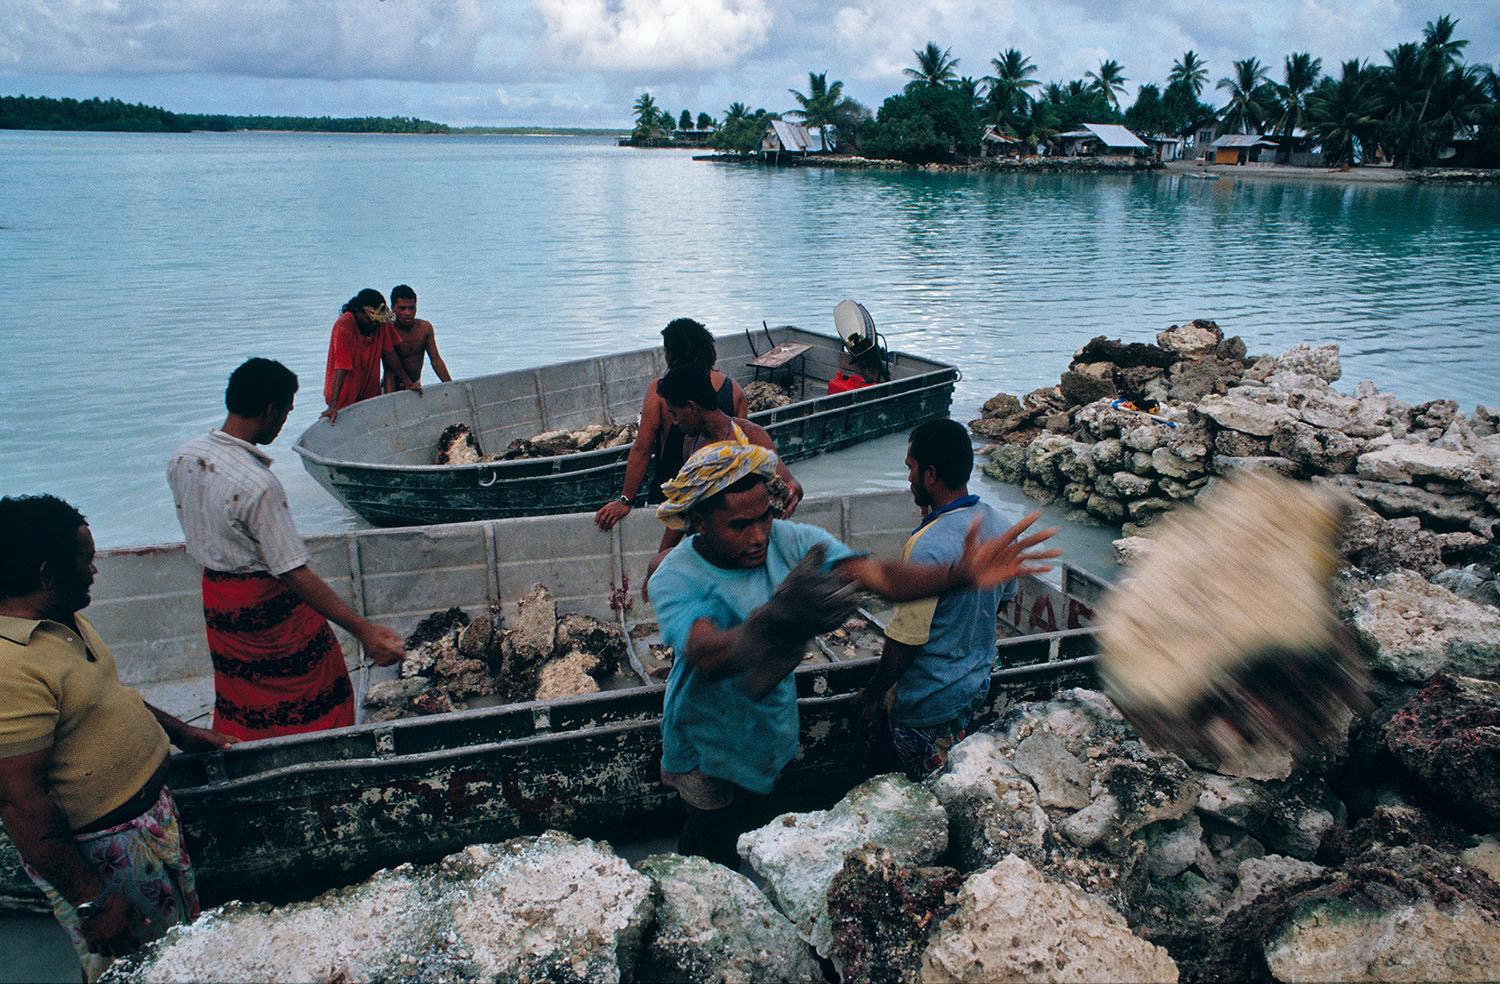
column 987, row 563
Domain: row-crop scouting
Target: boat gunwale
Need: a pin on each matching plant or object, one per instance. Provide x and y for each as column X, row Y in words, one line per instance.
column 864, row 395
column 371, row 732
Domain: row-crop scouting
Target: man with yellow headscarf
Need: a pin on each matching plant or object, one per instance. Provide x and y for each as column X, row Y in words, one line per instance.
column 738, row 601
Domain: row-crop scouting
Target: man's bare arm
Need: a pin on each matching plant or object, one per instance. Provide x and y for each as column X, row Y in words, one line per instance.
column 332, row 412
column 758, row 435
column 381, row 645
column 713, row 652
column 188, row 737
column 636, row 462
column 42, row 836
column 984, row 564
column 392, row 363
column 894, row 659
column 438, row 365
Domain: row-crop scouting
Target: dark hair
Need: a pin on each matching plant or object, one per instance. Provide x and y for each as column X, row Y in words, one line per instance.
column 688, row 384
column 369, row 297
column 688, row 343
column 257, row 384
column 944, row 445
column 36, row 530
column 715, row 502
column 402, row 291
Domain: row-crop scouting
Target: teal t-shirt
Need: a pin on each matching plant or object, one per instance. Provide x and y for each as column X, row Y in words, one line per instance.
column 710, row 724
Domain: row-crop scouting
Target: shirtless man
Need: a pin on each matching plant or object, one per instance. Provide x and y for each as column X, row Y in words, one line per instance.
column 417, row 340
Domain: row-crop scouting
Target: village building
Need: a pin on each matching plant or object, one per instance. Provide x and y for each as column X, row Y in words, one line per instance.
column 995, row 143
column 1165, row 147
column 1241, row 148
column 1099, row 140
column 784, row 137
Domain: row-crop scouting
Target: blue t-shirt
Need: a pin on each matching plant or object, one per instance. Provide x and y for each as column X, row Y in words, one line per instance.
column 710, row 724
column 956, row 632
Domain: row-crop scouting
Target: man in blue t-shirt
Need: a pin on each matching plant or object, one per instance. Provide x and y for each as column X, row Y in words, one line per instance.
column 939, row 649
column 738, row 601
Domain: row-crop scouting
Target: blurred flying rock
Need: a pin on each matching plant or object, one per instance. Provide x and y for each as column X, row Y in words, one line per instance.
column 1224, row 644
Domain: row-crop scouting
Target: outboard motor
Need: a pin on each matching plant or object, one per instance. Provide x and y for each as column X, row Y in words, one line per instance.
column 868, row 355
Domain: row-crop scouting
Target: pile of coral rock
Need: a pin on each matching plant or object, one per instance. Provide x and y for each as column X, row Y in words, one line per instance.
column 452, row 660
column 1424, row 480
column 1056, row 846
column 457, row 444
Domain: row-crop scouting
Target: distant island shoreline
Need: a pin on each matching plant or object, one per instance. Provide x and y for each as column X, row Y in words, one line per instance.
column 114, row 116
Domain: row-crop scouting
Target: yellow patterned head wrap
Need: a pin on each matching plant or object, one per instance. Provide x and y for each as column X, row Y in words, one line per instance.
column 712, row 469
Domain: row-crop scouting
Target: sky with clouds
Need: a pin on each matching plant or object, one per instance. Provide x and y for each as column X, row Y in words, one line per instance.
column 584, row 62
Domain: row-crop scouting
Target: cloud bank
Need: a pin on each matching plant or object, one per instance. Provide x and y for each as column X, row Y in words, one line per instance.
column 584, row 61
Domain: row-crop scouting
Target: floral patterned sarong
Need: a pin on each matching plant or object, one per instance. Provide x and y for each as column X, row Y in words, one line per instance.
column 922, row 751
column 143, row 859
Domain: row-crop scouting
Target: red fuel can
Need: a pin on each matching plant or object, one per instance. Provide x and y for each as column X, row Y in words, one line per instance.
column 842, row 383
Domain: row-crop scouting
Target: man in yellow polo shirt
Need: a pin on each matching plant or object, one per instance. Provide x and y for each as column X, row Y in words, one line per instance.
column 934, row 673
column 83, row 759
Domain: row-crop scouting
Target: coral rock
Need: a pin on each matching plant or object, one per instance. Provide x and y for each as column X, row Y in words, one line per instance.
column 799, row 854
column 1014, row 924
column 713, row 925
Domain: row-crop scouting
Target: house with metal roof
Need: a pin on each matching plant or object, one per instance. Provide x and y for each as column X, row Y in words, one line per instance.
column 782, row 136
column 995, row 143
column 1099, row 139
column 1242, row 148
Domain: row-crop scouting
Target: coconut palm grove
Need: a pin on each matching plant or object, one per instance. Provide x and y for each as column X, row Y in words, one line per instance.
column 1409, row 108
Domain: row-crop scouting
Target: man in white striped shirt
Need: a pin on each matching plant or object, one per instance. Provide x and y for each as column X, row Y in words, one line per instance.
column 278, row 669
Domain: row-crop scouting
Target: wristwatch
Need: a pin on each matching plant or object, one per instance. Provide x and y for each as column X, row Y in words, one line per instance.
column 624, row 498
column 92, row 908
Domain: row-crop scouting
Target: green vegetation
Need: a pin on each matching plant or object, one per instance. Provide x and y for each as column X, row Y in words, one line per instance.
column 826, row 109
column 741, row 129
column 41, row 113
column 657, row 127
column 45, row 113
column 1424, row 106
column 541, row 131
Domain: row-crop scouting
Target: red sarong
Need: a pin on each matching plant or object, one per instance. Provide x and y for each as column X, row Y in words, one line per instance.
column 278, row 670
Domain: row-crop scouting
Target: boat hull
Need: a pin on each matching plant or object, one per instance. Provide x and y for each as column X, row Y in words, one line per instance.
column 380, row 464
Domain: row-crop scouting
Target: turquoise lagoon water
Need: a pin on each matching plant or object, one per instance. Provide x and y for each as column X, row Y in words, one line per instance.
column 138, row 270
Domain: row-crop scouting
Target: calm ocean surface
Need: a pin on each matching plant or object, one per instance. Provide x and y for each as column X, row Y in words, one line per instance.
column 138, row 270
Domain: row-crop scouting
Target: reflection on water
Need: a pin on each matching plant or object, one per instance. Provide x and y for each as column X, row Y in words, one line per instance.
column 143, row 268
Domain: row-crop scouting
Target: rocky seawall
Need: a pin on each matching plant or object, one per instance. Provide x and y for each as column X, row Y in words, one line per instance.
column 1132, row 430
column 1014, row 165
column 1055, row 847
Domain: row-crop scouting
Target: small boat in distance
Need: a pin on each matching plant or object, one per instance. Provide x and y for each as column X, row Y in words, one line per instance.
column 380, row 457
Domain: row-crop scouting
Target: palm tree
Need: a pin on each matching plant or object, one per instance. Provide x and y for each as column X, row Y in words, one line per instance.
column 1191, row 71
column 1300, row 75
column 1437, row 39
column 1109, row 82
column 737, row 111
column 1339, row 114
column 1007, row 93
column 824, row 105
column 935, row 67
column 647, row 116
column 1246, row 106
